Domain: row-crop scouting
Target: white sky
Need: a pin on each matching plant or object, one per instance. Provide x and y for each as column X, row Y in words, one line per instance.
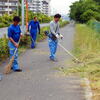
column 61, row 6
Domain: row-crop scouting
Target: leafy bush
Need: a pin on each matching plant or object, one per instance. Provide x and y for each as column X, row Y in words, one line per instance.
column 6, row 20
column 41, row 17
column 3, row 48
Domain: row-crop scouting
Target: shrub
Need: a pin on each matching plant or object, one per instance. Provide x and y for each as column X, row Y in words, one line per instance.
column 3, row 48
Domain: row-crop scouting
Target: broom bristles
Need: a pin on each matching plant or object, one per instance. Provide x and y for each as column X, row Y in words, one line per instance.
column 8, row 67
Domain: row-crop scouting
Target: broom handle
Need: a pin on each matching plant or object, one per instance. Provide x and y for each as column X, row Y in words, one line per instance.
column 68, row 52
column 16, row 49
column 32, row 38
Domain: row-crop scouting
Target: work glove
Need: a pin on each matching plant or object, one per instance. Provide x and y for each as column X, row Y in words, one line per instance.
column 57, row 36
column 61, row 36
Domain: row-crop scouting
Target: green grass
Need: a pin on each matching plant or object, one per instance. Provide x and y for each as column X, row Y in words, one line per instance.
column 87, row 49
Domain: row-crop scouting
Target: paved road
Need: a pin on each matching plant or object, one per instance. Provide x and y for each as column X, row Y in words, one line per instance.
column 39, row 79
column 4, row 30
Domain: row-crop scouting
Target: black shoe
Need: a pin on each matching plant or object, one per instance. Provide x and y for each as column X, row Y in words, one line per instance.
column 18, row 70
column 11, row 68
column 54, row 60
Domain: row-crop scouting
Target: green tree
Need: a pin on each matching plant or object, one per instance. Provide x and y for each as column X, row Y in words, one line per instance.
column 84, row 10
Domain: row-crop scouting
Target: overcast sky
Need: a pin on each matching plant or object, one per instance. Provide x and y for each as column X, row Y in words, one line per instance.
column 61, row 6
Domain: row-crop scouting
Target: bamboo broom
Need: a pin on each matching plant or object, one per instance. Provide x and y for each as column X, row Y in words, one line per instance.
column 8, row 67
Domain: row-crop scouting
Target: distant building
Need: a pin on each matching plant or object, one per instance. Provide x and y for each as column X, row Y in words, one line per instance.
column 45, row 7
column 8, row 6
column 39, row 6
column 35, row 6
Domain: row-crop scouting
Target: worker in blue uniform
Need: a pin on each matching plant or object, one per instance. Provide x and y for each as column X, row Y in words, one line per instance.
column 34, row 29
column 14, row 34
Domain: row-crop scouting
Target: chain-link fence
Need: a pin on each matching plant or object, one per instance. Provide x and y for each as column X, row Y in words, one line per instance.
column 96, row 26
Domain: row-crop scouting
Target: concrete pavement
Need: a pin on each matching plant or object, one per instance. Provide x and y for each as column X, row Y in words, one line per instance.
column 39, row 79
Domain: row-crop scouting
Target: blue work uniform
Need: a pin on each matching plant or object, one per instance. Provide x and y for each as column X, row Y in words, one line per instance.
column 34, row 28
column 14, row 32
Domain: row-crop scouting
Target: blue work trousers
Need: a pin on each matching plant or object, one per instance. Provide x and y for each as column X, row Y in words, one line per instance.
column 12, row 49
column 53, row 48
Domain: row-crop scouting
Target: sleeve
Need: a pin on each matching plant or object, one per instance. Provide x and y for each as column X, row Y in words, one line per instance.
column 9, row 33
column 58, row 32
column 29, row 25
column 20, row 29
column 52, row 28
column 39, row 26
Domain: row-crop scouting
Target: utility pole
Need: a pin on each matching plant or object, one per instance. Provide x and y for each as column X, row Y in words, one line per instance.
column 18, row 8
column 23, row 31
column 26, row 15
column 8, row 8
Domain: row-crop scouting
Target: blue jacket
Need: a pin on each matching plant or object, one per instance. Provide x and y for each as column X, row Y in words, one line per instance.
column 34, row 27
column 14, row 32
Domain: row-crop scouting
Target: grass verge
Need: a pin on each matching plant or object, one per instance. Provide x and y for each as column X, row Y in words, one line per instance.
column 87, row 49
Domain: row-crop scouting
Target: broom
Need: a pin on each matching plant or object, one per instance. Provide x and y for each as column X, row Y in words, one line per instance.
column 8, row 67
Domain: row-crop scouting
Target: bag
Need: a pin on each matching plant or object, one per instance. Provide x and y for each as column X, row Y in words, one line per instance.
column 53, row 37
column 50, row 35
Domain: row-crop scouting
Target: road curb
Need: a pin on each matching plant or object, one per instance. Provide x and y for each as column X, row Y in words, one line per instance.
column 88, row 90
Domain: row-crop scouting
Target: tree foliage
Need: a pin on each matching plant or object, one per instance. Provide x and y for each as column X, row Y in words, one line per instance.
column 41, row 17
column 6, row 19
column 84, row 10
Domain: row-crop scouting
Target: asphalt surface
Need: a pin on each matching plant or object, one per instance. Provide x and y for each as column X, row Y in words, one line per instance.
column 3, row 31
column 39, row 79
